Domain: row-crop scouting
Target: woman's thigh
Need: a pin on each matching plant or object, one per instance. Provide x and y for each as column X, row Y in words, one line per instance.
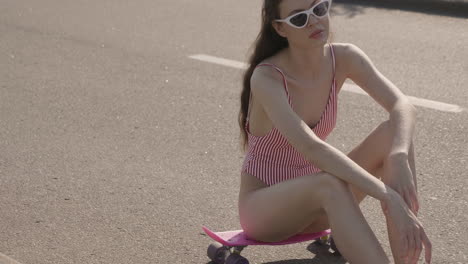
column 284, row 209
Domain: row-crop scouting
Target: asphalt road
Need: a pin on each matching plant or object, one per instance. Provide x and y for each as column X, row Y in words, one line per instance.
column 116, row 147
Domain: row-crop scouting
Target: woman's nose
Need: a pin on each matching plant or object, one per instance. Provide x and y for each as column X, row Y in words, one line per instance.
column 312, row 20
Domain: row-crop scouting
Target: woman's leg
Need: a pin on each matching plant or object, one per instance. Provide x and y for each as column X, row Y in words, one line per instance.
column 366, row 156
column 282, row 210
column 369, row 157
column 380, row 173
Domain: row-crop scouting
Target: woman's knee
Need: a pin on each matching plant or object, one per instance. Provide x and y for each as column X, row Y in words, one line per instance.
column 332, row 188
column 371, row 152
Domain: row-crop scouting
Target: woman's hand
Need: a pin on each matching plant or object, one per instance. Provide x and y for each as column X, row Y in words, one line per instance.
column 400, row 178
column 406, row 233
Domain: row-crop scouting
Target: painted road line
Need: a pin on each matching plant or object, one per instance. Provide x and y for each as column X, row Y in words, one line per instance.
column 7, row 260
column 220, row 61
column 349, row 87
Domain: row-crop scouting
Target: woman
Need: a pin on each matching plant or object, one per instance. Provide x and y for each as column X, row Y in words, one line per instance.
column 293, row 181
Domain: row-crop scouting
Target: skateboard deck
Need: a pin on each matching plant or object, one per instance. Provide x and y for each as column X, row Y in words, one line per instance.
column 239, row 238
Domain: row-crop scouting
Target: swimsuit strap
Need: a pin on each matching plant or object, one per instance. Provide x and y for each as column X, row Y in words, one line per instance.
column 282, row 74
column 333, row 55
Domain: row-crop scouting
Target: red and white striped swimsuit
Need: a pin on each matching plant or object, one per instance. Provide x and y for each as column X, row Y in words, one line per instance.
column 271, row 158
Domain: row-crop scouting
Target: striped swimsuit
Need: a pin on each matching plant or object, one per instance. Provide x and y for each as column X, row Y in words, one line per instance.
column 271, row 158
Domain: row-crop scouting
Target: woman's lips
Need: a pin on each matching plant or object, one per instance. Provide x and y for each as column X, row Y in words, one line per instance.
column 315, row 33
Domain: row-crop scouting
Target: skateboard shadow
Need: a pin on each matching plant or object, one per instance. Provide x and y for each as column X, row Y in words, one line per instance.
column 322, row 253
column 307, row 261
column 316, row 260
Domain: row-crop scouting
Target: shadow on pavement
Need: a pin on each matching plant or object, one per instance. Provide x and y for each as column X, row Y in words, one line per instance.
column 315, row 260
column 322, row 256
column 433, row 7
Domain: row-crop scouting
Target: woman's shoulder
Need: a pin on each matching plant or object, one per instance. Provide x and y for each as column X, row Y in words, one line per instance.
column 268, row 78
column 272, row 61
column 266, row 74
column 269, row 69
column 341, row 48
column 347, row 55
column 345, row 50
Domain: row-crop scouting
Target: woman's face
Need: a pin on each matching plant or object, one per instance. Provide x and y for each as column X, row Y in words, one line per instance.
column 302, row 36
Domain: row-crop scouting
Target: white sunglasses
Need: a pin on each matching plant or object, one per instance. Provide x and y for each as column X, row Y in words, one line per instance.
column 300, row 20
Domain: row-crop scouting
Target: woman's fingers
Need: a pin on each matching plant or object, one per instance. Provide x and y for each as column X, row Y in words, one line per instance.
column 411, row 246
column 418, row 247
column 427, row 247
column 404, row 252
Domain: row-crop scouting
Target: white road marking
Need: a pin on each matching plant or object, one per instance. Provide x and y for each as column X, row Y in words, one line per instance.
column 220, row 61
column 7, row 260
column 349, row 87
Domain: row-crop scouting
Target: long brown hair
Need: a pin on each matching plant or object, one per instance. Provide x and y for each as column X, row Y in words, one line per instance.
column 268, row 43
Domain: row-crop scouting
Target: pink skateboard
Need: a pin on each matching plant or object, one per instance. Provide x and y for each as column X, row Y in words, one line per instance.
column 229, row 244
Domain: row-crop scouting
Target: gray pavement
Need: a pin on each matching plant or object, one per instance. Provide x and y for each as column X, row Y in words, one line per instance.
column 115, row 147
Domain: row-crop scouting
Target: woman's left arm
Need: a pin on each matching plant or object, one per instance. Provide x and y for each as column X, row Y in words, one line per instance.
column 401, row 173
column 402, row 115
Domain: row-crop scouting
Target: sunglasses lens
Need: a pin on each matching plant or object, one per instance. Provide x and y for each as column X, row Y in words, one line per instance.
column 299, row 20
column 321, row 9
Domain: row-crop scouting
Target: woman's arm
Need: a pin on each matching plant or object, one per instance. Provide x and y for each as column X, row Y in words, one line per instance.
column 402, row 113
column 399, row 173
column 402, row 121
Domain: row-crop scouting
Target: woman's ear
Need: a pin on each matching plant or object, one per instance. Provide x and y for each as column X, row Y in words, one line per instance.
column 278, row 27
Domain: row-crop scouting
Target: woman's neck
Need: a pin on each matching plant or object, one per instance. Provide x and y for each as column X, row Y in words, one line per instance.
column 307, row 63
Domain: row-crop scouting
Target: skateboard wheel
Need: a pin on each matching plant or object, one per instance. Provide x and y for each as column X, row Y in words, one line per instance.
column 324, row 240
column 217, row 252
column 236, row 259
